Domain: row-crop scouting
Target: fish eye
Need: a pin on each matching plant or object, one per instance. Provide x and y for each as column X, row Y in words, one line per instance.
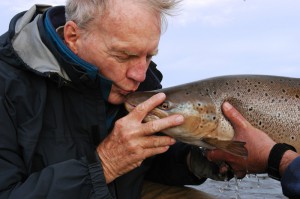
column 165, row 105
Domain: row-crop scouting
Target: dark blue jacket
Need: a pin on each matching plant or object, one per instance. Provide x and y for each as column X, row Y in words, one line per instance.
column 54, row 113
column 290, row 181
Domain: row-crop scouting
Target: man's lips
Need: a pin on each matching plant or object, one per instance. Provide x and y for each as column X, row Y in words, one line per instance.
column 125, row 92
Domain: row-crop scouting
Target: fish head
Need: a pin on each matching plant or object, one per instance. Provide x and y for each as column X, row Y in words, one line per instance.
column 199, row 112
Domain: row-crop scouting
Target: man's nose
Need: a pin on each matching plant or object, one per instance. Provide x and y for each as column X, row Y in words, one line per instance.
column 138, row 70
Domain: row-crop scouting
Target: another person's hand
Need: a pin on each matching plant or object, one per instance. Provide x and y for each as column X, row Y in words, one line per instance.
column 201, row 167
column 131, row 141
column 258, row 144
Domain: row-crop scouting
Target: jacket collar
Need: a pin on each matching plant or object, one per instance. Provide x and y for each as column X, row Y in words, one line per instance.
column 78, row 70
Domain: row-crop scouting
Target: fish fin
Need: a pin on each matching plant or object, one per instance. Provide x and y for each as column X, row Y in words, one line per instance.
column 234, row 147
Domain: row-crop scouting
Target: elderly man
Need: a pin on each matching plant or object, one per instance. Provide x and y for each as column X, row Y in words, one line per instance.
column 65, row 72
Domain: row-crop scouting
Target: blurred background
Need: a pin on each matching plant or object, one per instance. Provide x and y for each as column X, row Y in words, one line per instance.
column 211, row 37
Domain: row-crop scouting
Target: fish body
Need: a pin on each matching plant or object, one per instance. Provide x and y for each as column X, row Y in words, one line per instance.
column 270, row 103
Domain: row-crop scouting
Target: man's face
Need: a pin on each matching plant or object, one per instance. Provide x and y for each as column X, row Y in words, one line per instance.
column 121, row 44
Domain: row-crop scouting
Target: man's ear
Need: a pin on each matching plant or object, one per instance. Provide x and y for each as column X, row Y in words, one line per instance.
column 71, row 35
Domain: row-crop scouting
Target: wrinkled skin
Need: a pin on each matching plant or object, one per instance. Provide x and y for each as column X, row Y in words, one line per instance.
column 133, row 141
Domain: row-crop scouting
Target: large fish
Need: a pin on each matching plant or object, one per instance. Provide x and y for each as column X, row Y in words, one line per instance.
column 270, row 103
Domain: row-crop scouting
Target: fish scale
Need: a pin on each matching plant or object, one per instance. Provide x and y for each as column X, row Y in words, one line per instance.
column 267, row 102
column 270, row 103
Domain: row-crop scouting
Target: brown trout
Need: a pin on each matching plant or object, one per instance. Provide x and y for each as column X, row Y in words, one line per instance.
column 270, row 103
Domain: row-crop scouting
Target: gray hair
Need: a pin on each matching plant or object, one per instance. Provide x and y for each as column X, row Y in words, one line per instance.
column 82, row 12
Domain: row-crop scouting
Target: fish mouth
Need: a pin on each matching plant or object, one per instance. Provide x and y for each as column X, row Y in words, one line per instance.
column 129, row 107
column 154, row 114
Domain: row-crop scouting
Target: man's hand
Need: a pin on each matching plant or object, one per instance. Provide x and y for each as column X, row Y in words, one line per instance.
column 258, row 144
column 131, row 141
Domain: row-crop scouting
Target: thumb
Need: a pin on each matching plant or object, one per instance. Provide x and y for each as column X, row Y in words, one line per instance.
column 236, row 119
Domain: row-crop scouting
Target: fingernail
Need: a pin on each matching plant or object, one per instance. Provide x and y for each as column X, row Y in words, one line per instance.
column 179, row 119
column 173, row 141
column 161, row 95
column 227, row 106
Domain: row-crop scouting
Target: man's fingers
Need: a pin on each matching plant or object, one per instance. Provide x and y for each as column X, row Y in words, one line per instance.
column 141, row 110
column 234, row 116
column 154, row 151
column 161, row 124
column 157, row 141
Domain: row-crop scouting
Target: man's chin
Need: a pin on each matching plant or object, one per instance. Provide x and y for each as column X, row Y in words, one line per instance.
column 116, row 99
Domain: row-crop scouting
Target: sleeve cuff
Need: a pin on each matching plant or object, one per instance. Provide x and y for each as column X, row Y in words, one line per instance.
column 100, row 187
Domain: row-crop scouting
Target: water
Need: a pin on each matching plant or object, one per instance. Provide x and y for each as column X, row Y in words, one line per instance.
column 251, row 187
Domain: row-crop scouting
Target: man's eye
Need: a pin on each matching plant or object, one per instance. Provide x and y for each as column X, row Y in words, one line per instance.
column 121, row 58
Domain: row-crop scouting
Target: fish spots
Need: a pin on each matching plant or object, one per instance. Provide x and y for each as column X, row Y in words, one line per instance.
column 209, row 117
column 260, row 124
column 269, row 103
column 278, row 115
column 293, row 137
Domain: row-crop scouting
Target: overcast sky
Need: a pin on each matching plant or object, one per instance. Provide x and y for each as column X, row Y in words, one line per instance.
column 218, row 37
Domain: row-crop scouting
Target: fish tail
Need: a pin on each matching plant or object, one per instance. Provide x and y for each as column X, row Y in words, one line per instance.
column 233, row 147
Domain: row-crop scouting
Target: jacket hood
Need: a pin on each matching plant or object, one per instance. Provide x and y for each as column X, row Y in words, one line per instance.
column 35, row 45
column 27, row 42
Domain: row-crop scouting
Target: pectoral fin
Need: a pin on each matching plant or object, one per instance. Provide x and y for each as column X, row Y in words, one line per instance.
column 234, row 147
